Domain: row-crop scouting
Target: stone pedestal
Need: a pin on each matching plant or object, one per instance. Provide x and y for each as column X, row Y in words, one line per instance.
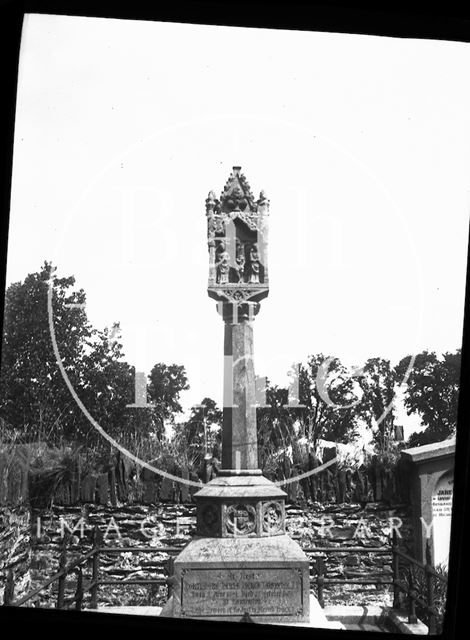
column 224, row 579
column 241, row 561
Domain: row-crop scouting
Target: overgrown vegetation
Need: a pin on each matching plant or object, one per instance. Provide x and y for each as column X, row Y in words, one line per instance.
column 416, row 579
column 325, row 401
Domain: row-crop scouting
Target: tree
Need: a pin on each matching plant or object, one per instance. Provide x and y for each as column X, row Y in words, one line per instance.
column 35, row 402
column 111, row 389
column 203, row 419
column 108, row 390
column 320, row 403
column 330, row 394
column 275, row 423
column 377, row 381
column 432, row 391
column 166, row 382
column 201, row 433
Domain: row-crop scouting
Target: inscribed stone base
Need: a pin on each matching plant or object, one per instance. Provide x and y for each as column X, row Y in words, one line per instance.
column 225, row 578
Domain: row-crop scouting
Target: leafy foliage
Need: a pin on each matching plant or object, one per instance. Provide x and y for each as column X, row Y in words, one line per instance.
column 200, row 434
column 432, row 392
column 166, row 382
column 321, row 403
column 378, row 380
column 275, row 423
column 329, row 394
column 415, row 578
column 35, row 402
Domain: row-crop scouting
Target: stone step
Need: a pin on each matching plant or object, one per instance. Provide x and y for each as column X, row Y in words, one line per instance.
column 365, row 627
column 134, row 611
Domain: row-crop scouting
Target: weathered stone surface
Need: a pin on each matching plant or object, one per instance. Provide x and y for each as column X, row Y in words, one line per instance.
column 245, row 505
column 246, row 485
column 222, row 579
column 239, row 437
column 342, row 533
column 206, row 592
column 235, row 517
column 240, row 519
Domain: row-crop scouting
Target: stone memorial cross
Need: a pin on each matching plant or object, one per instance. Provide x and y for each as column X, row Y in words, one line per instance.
column 241, row 562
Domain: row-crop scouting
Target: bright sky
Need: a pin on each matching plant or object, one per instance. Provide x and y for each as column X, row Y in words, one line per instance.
column 361, row 143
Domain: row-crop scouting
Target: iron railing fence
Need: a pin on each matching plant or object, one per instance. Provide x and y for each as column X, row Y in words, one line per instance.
column 318, row 576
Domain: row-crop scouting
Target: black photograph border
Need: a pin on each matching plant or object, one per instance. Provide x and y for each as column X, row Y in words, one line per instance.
column 447, row 22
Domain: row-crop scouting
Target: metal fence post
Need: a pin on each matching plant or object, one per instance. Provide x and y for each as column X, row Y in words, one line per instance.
column 432, row 622
column 63, row 577
column 9, row 592
column 170, row 577
column 396, row 571
column 97, row 540
column 320, row 581
column 79, row 590
column 412, row 617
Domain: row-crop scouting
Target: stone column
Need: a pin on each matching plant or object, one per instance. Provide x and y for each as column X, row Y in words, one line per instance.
column 239, row 437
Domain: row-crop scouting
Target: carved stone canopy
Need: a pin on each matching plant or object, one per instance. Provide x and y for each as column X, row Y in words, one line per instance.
column 237, row 237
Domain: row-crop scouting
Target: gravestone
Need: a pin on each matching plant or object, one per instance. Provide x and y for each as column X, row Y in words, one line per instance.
column 241, row 563
column 441, row 515
column 431, row 469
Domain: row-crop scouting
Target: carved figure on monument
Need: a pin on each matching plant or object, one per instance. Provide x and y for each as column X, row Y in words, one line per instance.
column 253, row 265
column 240, row 260
column 222, row 264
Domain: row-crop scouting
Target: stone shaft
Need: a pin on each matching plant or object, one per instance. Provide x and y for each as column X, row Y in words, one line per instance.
column 239, row 437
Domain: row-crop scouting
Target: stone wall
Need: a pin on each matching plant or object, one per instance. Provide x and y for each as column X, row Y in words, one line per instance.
column 15, row 548
column 328, row 526
column 352, row 526
column 126, row 526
